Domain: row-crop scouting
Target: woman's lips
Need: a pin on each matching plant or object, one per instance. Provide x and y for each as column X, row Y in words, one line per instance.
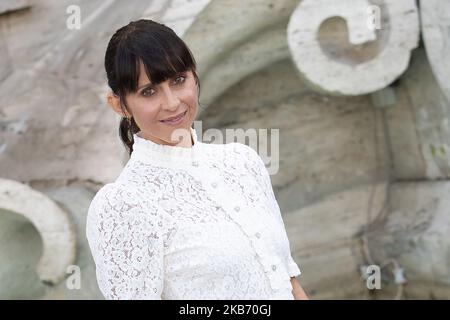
column 177, row 120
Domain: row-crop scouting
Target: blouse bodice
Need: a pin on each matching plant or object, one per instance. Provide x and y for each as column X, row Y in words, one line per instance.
column 198, row 222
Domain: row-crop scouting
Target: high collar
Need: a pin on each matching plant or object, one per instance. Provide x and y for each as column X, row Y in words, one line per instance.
column 147, row 149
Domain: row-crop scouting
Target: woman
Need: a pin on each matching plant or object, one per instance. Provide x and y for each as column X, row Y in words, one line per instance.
column 184, row 219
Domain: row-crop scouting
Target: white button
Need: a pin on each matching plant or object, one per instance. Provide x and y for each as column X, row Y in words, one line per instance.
column 258, row 235
column 237, row 208
column 214, row 184
column 274, row 267
column 195, row 163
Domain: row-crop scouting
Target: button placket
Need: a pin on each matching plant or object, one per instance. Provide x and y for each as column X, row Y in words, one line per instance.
column 251, row 227
column 270, row 260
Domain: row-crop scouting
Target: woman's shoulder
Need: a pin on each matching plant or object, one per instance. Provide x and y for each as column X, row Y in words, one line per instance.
column 246, row 153
column 113, row 198
column 236, row 147
column 116, row 204
column 241, row 154
column 114, row 190
column 242, row 148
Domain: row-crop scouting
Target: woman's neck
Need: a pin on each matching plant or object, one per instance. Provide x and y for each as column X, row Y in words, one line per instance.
column 186, row 139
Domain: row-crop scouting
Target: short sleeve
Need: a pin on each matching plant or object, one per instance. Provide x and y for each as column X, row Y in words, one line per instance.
column 263, row 177
column 126, row 244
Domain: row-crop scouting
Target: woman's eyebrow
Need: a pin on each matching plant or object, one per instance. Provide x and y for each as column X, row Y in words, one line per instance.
column 144, row 85
column 148, row 84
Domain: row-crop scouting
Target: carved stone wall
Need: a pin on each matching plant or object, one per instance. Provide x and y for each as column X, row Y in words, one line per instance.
column 362, row 112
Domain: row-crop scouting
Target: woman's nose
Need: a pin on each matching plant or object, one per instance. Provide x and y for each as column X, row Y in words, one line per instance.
column 171, row 100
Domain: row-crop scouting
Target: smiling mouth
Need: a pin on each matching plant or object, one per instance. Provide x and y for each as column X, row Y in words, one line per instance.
column 175, row 119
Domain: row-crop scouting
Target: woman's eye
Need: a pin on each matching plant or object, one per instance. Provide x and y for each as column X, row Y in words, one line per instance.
column 177, row 80
column 147, row 92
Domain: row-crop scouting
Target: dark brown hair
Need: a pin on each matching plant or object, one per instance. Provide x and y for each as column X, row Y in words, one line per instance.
column 162, row 53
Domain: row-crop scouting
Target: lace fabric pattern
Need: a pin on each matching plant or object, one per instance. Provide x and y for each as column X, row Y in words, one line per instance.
column 201, row 223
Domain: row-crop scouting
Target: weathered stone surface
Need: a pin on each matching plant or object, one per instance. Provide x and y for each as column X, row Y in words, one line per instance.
column 54, row 125
column 44, row 114
column 13, row 5
column 56, row 129
column 419, row 125
column 417, row 234
column 435, row 18
column 176, row 14
column 343, row 216
column 237, row 33
column 5, row 66
column 20, row 251
column 331, row 66
column 239, row 104
column 53, row 224
column 246, row 59
column 19, row 235
column 76, row 199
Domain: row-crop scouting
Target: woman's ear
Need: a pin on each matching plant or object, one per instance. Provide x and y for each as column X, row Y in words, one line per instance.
column 114, row 103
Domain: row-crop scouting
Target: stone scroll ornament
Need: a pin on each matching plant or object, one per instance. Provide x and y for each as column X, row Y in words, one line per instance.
column 52, row 223
column 435, row 16
column 396, row 29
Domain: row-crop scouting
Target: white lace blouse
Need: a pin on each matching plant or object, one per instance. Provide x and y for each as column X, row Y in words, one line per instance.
column 190, row 223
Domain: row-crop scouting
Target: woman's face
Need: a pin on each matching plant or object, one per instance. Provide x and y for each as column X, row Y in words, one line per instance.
column 152, row 104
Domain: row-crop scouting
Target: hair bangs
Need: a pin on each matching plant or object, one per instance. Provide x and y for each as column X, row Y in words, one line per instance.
column 162, row 59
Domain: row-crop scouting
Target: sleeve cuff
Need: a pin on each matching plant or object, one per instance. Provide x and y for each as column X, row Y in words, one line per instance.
column 293, row 268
